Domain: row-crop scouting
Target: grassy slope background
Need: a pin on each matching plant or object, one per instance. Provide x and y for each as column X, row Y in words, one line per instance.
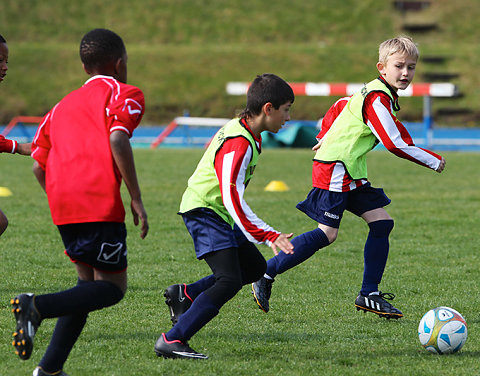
column 183, row 52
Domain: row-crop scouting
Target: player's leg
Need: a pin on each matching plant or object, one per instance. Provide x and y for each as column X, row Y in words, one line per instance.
column 376, row 248
column 327, row 209
column 228, row 281
column 84, row 243
column 324, row 207
column 179, row 297
column 305, row 246
column 214, row 242
column 369, row 202
column 3, row 222
column 67, row 330
column 96, row 287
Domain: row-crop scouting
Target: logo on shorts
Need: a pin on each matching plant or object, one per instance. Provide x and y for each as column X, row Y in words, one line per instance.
column 330, row 215
column 110, row 253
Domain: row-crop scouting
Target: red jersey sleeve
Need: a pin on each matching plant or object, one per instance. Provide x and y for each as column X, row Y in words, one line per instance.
column 7, row 146
column 231, row 164
column 126, row 109
column 331, row 115
column 379, row 117
column 41, row 142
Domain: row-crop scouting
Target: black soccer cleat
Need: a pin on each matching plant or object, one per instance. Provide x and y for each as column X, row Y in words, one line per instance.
column 176, row 349
column 262, row 290
column 377, row 304
column 177, row 300
column 40, row 372
column 28, row 320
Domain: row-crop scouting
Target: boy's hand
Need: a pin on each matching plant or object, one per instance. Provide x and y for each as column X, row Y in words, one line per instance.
column 317, row 146
column 139, row 213
column 441, row 166
column 283, row 244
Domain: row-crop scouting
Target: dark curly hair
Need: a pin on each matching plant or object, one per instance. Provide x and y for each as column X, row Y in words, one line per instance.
column 100, row 47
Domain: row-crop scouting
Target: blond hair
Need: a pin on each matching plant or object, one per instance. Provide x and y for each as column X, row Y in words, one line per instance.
column 401, row 44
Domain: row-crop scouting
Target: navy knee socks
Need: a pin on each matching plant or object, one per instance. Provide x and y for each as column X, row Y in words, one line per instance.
column 375, row 255
column 67, row 330
column 195, row 318
column 86, row 296
column 194, row 289
column 305, row 245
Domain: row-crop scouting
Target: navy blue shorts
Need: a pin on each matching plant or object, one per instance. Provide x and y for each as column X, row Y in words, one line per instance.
column 210, row 232
column 327, row 207
column 100, row 245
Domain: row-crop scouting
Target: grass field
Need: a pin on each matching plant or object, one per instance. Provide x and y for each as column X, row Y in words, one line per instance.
column 312, row 327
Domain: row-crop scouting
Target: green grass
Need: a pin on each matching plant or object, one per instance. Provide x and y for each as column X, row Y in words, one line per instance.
column 313, row 327
column 182, row 53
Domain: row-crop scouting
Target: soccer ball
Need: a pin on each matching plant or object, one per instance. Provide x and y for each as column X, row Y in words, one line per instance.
column 442, row 330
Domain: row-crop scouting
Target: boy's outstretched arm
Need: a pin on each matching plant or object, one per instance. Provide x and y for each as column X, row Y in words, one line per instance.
column 394, row 136
column 123, row 155
column 24, row 149
column 11, row 146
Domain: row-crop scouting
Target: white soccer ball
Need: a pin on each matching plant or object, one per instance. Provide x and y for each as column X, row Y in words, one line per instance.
column 442, row 330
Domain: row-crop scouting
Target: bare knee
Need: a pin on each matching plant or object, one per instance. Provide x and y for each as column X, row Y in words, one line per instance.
column 330, row 232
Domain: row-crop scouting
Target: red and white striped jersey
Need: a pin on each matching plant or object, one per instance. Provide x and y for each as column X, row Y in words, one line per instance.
column 379, row 117
column 231, row 163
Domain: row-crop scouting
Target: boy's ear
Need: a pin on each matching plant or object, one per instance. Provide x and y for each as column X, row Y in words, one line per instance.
column 267, row 108
column 381, row 67
column 118, row 64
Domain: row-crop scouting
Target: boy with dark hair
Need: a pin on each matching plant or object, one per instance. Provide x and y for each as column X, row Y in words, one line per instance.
column 220, row 222
column 6, row 145
column 92, row 123
column 351, row 128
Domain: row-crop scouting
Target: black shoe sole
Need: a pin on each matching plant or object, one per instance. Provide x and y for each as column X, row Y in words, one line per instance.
column 22, row 342
column 388, row 316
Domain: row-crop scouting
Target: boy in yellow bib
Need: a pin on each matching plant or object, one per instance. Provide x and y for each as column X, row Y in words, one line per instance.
column 222, row 225
column 339, row 176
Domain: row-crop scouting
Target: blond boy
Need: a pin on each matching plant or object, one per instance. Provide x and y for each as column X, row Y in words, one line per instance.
column 350, row 129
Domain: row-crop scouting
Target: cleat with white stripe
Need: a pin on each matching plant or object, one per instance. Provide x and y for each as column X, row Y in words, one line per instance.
column 376, row 303
column 28, row 320
column 176, row 349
